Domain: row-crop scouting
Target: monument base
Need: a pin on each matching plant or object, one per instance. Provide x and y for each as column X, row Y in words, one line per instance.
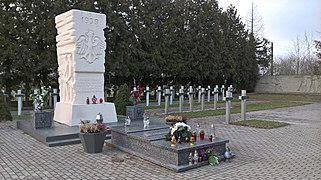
column 72, row 114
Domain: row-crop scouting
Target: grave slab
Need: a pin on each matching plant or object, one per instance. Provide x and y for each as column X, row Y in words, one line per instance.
column 150, row 144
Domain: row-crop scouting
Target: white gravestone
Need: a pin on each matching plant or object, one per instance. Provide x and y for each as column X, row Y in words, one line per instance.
column 159, row 94
column 171, row 89
column 55, row 94
column 199, row 93
column 20, row 96
column 147, row 95
column 81, row 57
column 208, row 93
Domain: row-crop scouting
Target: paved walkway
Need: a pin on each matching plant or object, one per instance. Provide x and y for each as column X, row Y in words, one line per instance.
column 292, row 152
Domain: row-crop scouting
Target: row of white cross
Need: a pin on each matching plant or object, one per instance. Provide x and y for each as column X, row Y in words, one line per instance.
column 171, row 93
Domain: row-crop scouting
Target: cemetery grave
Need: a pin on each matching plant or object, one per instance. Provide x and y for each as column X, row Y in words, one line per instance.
column 150, row 144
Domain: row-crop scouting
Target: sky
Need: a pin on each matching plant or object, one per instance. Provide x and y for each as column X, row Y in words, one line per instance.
column 283, row 20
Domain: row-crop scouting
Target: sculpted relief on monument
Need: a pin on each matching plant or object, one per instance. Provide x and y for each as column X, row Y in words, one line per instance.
column 66, row 77
column 90, row 47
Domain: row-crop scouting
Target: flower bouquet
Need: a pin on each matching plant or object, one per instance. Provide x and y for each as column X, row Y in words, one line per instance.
column 135, row 97
column 172, row 119
column 92, row 128
column 180, row 131
column 40, row 100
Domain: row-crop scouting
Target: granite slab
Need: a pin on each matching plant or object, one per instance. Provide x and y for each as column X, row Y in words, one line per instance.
column 151, row 145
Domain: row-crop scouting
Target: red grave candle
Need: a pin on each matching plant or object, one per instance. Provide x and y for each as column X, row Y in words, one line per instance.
column 202, row 134
column 194, row 135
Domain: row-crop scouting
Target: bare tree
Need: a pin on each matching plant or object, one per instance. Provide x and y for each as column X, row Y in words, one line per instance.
column 317, row 44
column 303, row 52
column 254, row 21
column 264, row 47
column 301, row 59
column 286, row 65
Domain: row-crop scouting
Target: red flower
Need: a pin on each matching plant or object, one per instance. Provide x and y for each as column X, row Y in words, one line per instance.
column 136, row 97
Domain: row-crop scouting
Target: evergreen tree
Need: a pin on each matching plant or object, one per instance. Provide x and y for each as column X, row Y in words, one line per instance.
column 10, row 48
column 148, row 42
column 122, row 99
column 5, row 114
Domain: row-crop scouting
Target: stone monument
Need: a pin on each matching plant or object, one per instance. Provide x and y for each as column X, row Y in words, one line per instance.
column 81, row 57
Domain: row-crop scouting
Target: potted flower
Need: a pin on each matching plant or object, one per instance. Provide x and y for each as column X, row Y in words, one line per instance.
column 92, row 136
column 42, row 118
column 135, row 112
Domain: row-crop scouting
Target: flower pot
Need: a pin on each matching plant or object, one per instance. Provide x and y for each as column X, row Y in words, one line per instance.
column 135, row 112
column 93, row 142
column 41, row 119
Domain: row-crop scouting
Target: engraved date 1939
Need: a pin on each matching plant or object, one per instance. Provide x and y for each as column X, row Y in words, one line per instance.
column 89, row 20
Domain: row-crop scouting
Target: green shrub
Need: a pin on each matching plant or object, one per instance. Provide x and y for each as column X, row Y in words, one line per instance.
column 1, row 97
column 122, row 99
column 5, row 114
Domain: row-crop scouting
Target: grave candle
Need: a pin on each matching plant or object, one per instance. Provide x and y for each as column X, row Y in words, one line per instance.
column 173, row 141
column 192, row 141
column 194, row 134
column 202, row 135
column 190, row 159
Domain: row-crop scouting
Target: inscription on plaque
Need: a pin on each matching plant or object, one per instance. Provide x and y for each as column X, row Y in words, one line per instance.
column 89, row 85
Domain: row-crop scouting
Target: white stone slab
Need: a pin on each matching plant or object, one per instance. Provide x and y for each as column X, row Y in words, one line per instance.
column 72, row 114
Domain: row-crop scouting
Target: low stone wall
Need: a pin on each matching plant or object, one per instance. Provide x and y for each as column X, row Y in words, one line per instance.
column 289, row 84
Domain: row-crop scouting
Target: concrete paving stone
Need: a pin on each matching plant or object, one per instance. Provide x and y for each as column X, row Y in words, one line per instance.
column 291, row 152
column 7, row 176
column 14, row 177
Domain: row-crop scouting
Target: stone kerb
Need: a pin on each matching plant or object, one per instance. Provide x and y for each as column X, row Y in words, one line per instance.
column 81, row 57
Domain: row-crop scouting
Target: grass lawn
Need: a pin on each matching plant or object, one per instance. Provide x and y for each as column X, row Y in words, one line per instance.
column 21, row 117
column 262, row 102
column 237, row 108
column 162, row 106
column 286, row 97
column 260, row 124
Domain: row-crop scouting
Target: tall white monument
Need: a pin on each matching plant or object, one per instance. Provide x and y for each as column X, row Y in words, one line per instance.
column 81, row 57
